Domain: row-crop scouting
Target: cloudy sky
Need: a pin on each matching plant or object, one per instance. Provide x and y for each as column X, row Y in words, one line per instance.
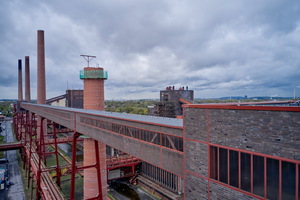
column 216, row 47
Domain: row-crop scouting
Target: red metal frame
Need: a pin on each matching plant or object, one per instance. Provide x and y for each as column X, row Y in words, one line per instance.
column 240, row 106
column 251, row 173
column 40, row 148
column 97, row 165
column 35, row 143
column 265, row 177
column 280, row 180
column 297, row 181
column 239, row 172
column 114, row 126
column 34, row 153
column 32, row 142
column 113, row 163
column 73, row 166
column 228, row 167
column 265, row 156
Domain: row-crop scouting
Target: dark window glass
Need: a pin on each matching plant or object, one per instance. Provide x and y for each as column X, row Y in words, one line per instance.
column 234, row 168
column 223, row 165
column 288, row 180
column 272, row 178
column 213, row 163
column 180, row 146
column 258, row 175
column 298, row 181
column 245, row 172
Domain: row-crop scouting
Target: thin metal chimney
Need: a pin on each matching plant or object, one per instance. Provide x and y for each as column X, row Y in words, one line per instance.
column 27, row 79
column 41, row 76
column 20, row 86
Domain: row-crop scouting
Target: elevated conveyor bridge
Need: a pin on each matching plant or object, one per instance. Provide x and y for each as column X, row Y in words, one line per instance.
column 155, row 140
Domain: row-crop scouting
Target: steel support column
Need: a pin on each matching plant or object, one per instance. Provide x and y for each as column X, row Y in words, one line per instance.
column 73, row 166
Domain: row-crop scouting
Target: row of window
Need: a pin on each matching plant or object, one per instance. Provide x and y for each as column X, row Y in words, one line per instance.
column 165, row 140
column 263, row 176
column 161, row 176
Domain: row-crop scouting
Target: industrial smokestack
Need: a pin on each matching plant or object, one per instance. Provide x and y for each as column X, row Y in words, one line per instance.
column 20, row 86
column 27, row 79
column 41, row 76
column 94, row 100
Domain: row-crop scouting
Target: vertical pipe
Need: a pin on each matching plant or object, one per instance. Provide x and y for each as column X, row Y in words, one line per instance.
column 40, row 155
column 41, row 77
column 297, row 182
column 239, row 169
column 209, row 158
column 228, row 166
column 58, row 174
column 218, row 166
column 30, row 147
column 98, row 168
column 73, row 166
column 20, row 89
column 251, row 173
column 280, row 180
column 265, row 177
column 27, row 79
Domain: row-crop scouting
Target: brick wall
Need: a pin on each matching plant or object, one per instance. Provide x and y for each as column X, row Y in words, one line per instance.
column 268, row 132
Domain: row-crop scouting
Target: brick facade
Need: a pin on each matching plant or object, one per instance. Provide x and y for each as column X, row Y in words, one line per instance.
column 267, row 132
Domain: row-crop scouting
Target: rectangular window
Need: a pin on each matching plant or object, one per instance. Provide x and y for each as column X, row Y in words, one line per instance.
column 272, row 179
column 288, row 180
column 245, row 172
column 223, row 165
column 258, row 175
column 298, row 181
column 234, row 168
column 214, row 163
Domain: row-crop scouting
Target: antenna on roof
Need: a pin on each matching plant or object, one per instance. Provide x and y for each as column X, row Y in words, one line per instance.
column 88, row 58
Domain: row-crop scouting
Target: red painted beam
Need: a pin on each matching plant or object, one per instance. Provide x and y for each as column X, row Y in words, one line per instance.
column 247, row 106
column 11, row 146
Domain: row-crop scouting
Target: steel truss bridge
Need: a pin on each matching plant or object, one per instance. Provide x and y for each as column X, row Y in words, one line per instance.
column 157, row 141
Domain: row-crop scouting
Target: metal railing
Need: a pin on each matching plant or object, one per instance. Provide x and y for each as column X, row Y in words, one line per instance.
column 86, row 74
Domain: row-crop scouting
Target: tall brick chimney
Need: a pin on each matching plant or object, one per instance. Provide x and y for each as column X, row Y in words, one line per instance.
column 27, row 79
column 20, row 85
column 94, row 100
column 41, row 76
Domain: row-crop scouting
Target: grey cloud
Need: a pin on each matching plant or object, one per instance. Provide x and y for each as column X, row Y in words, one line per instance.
column 236, row 47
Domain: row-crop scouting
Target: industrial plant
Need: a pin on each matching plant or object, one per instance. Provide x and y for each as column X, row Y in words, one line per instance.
column 181, row 151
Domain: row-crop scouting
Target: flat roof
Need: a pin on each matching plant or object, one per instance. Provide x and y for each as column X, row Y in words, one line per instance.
column 148, row 119
column 267, row 105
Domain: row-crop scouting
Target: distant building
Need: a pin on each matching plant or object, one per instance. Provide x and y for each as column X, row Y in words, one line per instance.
column 72, row 99
column 171, row 101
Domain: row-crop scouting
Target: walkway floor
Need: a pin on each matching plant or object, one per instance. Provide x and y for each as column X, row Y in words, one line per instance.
column 16, row 190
